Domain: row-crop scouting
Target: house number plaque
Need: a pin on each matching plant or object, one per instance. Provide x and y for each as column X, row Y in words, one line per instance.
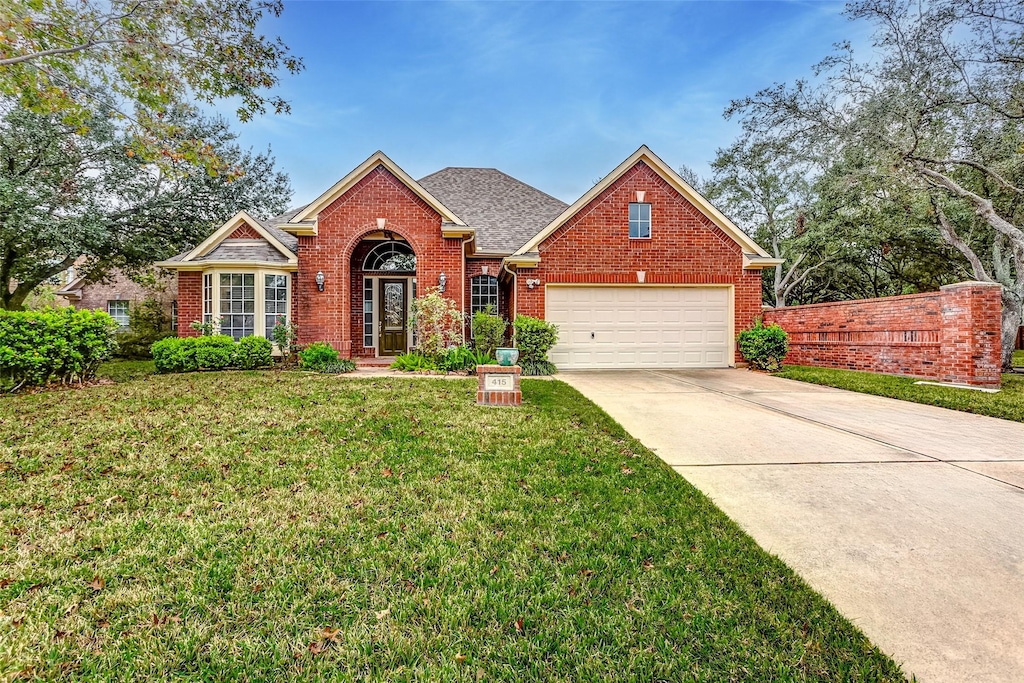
column 499, row 382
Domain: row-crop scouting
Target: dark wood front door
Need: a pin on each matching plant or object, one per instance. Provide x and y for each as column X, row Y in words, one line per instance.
column 393, row 316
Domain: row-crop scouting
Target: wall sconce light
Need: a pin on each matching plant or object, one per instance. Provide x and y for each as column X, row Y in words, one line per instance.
column 381, row 222
column 320, row 280
column 640, row 276
column 532, row 282
column 442, row 281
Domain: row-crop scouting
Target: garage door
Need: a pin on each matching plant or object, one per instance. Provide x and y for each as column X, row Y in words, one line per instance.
column 640, row 327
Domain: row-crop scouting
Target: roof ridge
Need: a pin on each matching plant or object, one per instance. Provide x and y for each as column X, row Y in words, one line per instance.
column 496, row 170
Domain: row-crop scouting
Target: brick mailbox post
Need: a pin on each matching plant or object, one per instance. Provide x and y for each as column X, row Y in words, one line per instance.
column 498, row 385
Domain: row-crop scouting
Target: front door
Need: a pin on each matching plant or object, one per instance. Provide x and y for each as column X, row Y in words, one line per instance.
column 393, row 316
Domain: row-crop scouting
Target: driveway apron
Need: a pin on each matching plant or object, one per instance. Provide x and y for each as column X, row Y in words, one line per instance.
column 909, row 518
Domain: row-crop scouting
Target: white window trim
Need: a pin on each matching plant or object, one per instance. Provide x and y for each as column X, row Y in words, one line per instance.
column 259, row 285
column 650, row 221
column 127, row 312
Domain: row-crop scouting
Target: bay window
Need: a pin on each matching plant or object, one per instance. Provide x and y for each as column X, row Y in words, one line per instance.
column 246, row 303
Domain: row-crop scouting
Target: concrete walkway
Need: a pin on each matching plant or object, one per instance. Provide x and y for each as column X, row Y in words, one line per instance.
column 909, row 518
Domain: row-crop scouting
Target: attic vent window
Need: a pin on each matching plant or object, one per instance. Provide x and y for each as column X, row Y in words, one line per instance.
column 639, row 220
column 391, row 257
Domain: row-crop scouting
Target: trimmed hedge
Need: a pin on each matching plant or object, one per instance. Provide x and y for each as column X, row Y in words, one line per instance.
column 53, row 345
column 217, row 352
column 764, row 346
column 534, row 337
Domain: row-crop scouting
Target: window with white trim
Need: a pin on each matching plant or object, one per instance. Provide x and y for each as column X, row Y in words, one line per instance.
column 639, row 220
column 275, row 301
column 483, row 292
column 368, row 312
column 118, row 310
column 174, row 316
column 207, row 298
column 237, row 304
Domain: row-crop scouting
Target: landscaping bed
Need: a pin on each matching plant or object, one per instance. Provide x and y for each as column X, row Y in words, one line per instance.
column 260, row 525
column 1008, row 404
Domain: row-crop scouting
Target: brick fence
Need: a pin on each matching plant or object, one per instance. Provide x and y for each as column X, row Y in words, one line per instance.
column 952, row 335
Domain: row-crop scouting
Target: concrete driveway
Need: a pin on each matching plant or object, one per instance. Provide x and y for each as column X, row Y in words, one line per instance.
column 909, row 518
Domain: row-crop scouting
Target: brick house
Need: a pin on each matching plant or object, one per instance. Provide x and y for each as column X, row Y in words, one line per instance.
column 641, row 271
column 117, row 294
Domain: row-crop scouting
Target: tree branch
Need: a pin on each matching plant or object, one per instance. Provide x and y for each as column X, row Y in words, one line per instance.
column 950, row 235
column 983, row 207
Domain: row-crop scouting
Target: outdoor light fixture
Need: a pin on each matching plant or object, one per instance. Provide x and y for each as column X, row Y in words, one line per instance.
column 532, row 282
column 442, row 280
column 320, row 280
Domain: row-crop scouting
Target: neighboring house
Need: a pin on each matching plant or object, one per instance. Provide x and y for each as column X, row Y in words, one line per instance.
column 117, row 294
column 641, row 271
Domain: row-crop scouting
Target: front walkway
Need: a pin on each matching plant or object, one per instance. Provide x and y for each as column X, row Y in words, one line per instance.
column 909, row 518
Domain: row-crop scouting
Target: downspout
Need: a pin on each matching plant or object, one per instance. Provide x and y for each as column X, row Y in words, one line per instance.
column 463, row 283
column 515, row 295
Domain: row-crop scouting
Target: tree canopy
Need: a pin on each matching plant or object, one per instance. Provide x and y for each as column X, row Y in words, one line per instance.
column 68, row 192
column 148, row 58
column 918, row 142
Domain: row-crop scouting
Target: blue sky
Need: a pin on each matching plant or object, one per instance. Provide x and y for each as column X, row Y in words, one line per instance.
column 554, row 93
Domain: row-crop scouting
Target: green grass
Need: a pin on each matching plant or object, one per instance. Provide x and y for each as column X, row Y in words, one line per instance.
column 125, row 370
column 1018, row 359
column 1008, row 404
column 257, row 526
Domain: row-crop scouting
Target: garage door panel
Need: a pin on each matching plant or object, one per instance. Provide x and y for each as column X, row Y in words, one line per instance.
column 609, row 327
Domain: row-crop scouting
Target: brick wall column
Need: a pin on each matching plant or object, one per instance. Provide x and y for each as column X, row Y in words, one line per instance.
column 190, row 301
column 971, row 334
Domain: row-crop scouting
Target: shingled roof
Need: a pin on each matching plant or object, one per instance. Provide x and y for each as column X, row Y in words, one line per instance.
column 506, row 212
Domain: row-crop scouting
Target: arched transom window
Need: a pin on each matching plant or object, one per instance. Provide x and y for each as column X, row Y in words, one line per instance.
column 391, row 257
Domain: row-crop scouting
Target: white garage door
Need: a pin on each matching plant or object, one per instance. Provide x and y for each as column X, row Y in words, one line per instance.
column 640, row 327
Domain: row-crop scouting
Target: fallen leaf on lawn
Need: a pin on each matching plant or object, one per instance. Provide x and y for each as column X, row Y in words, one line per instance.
column 519, row 625
column 626, row 470
column 97, row 583
column 103, row 624
column 316, row 647
column 386, row 472
column 5, row 582
column 383, row 613
column 460, row 658
column 494, row 570
column 586, row 572
column 648, row 564
column 330, row 634
column 631, row 606
column 382, row 535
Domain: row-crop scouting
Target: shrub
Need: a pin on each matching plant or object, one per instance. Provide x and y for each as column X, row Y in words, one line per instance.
column 537, row 368
column 175, row 354
column 206, row 329
column 253, row 352
column 317, row 356
column 215, row 353
column 457, row 359
column 147, row 324
column 438, row 323
column 340, row 366
column 533, row 338
column 488, row 330
column 285, row 334
column 414, row 362
column 764, row 346
column 50, row 345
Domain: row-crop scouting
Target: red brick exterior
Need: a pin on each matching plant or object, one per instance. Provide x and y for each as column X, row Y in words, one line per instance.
column 118, row 287
column 951, row 335
column 328, row 315
column 476, row 267
column 686, row 247
column 498, row 398
column 190, row 301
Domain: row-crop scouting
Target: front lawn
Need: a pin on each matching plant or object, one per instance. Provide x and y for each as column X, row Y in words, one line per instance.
column 256, row 526
column 1008, row 404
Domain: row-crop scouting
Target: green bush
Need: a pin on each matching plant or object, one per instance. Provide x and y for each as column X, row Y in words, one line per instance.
column 414, row 362
column 147, row 324
column 340, row 366
column 457, row 359
column 488, row 330
column 254, row 352
column 537, row 368
column 534, row 338
column 764, row 346
column 53, row 345
column 317, row 356
column 190, row 354
column 216, row 352
column 438, row 323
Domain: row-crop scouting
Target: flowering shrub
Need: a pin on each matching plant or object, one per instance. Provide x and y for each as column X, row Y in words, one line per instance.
column 438, row 323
